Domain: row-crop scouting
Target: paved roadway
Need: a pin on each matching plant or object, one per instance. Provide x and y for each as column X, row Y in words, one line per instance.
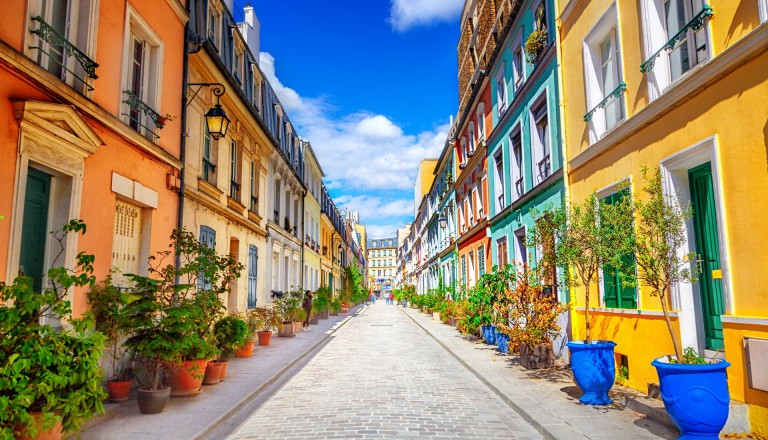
column 381, row 376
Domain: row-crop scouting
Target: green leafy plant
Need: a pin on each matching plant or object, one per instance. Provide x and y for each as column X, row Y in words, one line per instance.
column 622, row 374
column 264, row 318
column 287, row 304
column 335, row 306
column 46, row 369
column 230, row 333
column 586, row 236
column 321, row 299
column 690, row 356
column 107, row 302
column 660, row 234
column 534, row 44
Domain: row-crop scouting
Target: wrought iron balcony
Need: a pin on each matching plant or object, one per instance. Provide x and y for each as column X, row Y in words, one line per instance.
column 140, row 114
column 234, row 190
column 543, row 166
column 696, row 23
column 519, row 186
column 62, row 47
column 276, row 217
column 615, row 94
column 209, row 170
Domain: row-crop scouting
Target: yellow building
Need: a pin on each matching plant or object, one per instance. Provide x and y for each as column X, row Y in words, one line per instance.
column 681, row 86
column 424, row 178
column 313, row 179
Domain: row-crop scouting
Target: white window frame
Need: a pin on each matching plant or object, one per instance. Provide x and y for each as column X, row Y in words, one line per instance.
column 481, row 133
column 518, row 72
column 464, row 151
column 540, row 145
column 472, row 138
column 498, row 181
column 214, row 26
column 521, row 251
column 593, row 76
column 238, row 57
column 655, row 36
column 763, row 7
column 517, row 170
column 502, row 95
column 152, row 79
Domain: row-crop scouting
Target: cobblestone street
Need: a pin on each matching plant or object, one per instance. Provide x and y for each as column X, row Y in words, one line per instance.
column 383, row 377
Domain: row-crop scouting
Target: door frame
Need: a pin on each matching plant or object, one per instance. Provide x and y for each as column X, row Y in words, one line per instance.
column 686, row 298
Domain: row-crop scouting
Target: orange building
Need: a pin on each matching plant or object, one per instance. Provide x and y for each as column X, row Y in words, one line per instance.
column 89, row 92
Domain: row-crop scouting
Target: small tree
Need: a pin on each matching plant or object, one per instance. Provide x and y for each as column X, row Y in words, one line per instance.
column 661, row 234
column 587, row 235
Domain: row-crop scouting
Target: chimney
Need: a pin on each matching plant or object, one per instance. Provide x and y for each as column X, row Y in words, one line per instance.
column 251, row 29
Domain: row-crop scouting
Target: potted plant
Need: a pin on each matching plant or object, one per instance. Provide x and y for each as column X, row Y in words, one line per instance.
column 535, row 44
column 253, row 323
column 270, row 320
column 321, row 301
column 694, row 389
column 298, row 315
column 50, row 378
column 106, row 302
column 582, row 238
column 229, row 333
column 285, row 307
column 335, row 307
column 532, row 319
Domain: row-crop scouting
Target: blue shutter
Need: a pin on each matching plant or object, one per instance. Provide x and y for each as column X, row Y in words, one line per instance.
column 253, row 261
column 207, row 238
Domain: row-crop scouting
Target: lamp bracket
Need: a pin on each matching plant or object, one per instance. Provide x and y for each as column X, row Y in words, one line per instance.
column 218, row 90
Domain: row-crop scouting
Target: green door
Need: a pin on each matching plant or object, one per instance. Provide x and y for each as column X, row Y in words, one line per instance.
column 35, row 224
column 708, row 250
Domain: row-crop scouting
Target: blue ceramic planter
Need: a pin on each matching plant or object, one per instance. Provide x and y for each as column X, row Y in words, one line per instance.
column 502, row 342
column 594, row 370
column 696, row 397
column 484, row 332
column 491, row 340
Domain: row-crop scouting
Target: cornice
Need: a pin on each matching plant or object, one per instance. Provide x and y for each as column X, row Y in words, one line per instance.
column 475, row 229
column 179, row 10
column 749, row 47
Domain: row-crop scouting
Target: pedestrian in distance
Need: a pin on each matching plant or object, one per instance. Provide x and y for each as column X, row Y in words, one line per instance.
column 307, row 306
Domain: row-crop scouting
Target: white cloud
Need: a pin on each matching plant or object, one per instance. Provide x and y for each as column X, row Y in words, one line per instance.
column 407, row 14
column 362, row 150
column 377, row 206
column 382, row 231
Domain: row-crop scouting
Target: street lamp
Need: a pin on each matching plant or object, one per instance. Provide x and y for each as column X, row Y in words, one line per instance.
column 443, row 221
column 216, row 118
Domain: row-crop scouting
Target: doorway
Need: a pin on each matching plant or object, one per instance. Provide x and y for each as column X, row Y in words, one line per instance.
column 34, row 232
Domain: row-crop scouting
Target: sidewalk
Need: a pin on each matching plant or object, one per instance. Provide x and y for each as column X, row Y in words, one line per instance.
column 548, row 399
column 195, row 417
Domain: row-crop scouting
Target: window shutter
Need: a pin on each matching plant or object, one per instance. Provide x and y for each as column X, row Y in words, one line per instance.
column 617, row 295
column 481, row 260
column 253, row 261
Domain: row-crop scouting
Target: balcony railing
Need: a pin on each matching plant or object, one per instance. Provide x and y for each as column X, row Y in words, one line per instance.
column 615, row 94
column 209, row 168
column 140, row 114
column 519, row 186
column 254, row 204
column 234, row 190
column 61, row 46
column 543, row 166
column 276, row 217
column 696, row 23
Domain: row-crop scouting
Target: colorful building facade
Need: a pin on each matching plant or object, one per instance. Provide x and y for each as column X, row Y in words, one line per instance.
column 89, row 133
column 680, row 87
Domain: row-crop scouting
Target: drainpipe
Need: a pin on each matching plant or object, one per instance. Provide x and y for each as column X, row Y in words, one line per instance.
column 183, row 140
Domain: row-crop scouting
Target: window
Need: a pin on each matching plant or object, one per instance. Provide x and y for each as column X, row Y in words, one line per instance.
column 126, row 242
column 481, row 123
column 518, row 184
column 464, row 269
column 763, row 6
column 521, row 253
column 669, row 59
column 541, row 151
column 141, row 78
column 253, row 263
column 471, row 268
column 501, row 252
column 207, row 238
column 254, row 205
column 472, row 139
column 498, row 182
column 540, row 17
column 234, row 171
column 615, row 294
column 501, row 90
column 276, row 207
column 214, row 25
column 546, row 253
column 60, row 42
column 481, row 261
column 603, row 77
column 518, row 74
column 237, row 61
column 464, row 152
column 209, row 157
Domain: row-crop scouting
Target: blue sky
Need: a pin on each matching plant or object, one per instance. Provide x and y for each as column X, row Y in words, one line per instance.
column 371, row 84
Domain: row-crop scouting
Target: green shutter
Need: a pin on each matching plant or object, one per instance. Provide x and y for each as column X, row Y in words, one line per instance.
column 616, row 295
column 481, row 260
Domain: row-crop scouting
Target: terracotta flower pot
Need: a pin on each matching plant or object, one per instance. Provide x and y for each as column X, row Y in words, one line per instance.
column 246, row 350
column 264, row 337
column 213, row 373
column 153, row 401
column 297, row 327
column 224, row 362
column 186, row 380
column 119, row 390
column 52, row 434
column 285, row 330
